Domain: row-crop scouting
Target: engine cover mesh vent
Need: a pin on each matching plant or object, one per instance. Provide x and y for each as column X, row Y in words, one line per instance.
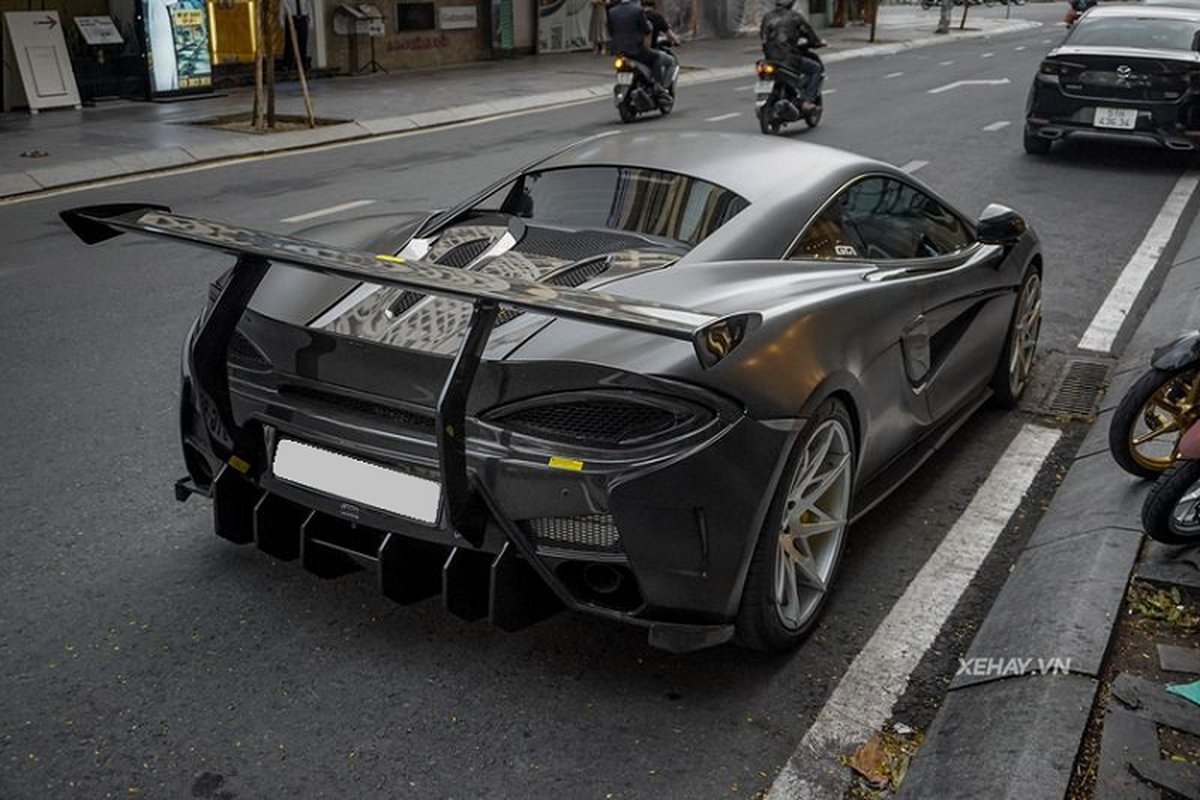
column 404, row 417
column 598, row 423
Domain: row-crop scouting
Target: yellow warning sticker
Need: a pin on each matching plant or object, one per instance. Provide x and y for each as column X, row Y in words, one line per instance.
column 239, row 464
column 566, row 463
column 393, row 259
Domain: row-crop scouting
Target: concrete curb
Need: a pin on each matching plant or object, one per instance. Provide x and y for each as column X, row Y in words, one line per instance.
column 36, row 181
column 1017, row 733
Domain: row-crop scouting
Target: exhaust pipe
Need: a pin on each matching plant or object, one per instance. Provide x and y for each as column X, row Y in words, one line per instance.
column 1177, row 144
column 602, row 579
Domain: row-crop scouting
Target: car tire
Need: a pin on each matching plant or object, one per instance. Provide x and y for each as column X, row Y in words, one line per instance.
column 1169, row 514
column 789, row 580
column 1136, row 406
column 1036, row 145
column 1012, row 374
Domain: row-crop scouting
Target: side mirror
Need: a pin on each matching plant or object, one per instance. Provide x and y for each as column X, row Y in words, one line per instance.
column 1000, row 225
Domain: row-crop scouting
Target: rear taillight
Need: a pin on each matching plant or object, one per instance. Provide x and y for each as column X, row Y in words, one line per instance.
column 1051, row 67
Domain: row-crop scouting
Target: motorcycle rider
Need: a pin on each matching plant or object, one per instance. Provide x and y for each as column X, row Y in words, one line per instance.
column 788, row 38
column 658, row 26
column 628, row 30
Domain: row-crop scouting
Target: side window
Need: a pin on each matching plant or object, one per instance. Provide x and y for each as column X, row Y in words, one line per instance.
column 883, row 219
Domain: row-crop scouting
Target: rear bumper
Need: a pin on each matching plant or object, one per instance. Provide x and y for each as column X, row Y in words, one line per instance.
column 677, row 525
column 1053, row 114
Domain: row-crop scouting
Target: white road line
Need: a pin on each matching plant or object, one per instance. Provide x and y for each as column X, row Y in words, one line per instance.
column 945, row 63
column 913, row 166
column 987, row 55
column 828, row 91
column 996, row 126
column 879, row 675
column 893, row 75
column 324, row 212
column 723, row 117
column 1105, row 326
column 1019, row 48
column 956, row 84
column 745, row 88
column 1047, row 41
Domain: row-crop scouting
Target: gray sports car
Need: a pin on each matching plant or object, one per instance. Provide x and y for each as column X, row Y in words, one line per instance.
column 652, row 377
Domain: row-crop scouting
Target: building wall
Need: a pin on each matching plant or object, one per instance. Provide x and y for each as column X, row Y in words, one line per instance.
column 400, row 50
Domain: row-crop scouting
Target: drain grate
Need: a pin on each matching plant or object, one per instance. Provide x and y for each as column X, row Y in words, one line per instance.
column 1079, row 389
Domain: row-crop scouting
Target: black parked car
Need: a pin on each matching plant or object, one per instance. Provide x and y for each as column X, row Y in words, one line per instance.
column 652, row 377
column 1123, row 71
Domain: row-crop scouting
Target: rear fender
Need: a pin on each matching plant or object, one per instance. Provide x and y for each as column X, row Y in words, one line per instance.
column 1183, row 352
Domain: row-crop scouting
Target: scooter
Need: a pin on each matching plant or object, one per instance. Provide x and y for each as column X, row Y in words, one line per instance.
column 777, row 96
column 1171, row 512
column 1148, row 424
column 634, row 93
column 1075, row 10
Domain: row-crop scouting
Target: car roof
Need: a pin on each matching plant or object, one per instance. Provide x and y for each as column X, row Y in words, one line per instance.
column 756, row 167
column 1152, row 10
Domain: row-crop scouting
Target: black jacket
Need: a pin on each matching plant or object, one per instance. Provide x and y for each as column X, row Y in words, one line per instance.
column 627, row 28
column 781, row 32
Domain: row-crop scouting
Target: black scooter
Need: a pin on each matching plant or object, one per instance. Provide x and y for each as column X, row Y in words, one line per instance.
column 634, row 92
column 778, row 92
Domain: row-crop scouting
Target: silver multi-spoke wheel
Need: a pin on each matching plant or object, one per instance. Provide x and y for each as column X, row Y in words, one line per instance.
column 1027, row 324
column 814, row 524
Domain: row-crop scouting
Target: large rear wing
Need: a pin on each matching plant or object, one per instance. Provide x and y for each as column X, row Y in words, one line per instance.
column 712, row 337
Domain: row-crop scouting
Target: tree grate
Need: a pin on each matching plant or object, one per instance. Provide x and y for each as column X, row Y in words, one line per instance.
column 1079, row 390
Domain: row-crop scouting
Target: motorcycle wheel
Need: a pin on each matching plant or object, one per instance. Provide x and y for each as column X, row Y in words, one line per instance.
column 764, row 121
column 1171, row 513
column 1148, row 422
column 628, row 115
column 813, row 118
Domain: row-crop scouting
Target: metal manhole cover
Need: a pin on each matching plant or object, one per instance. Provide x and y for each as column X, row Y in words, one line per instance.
column 1079, row 389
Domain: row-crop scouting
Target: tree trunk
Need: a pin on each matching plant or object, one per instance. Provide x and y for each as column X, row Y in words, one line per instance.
column 271, row 12
column 944, row 20
column 299, row 58
column 257, row 116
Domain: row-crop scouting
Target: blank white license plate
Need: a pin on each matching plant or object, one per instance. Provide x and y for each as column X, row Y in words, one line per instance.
column 624, row 78
column 764, row 87
column 1124, row 119
column 357, row 481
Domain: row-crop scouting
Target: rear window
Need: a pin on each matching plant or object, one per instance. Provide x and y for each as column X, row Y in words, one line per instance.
column 635, row 199
column 1142, row 32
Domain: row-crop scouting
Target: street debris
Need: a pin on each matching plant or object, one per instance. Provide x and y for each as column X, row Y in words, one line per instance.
column 1188, row 691
column 882, row 762
column 1179, row 659
column 1164, row 605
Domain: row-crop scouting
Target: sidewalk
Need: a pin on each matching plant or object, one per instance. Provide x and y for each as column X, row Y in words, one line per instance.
column 1019, row 735
column 124, row 137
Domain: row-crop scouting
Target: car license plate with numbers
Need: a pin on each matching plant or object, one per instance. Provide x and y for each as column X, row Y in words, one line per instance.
column 1122, row 119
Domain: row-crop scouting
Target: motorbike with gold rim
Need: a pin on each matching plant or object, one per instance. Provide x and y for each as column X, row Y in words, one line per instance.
column 1158, row 409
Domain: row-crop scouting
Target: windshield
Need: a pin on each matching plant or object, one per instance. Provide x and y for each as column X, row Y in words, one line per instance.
column 1145, row 33
column 635, row 199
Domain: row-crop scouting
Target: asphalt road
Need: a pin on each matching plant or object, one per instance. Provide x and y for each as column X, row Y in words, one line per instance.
column 141, row 655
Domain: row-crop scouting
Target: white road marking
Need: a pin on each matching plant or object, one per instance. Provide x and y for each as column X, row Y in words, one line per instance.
column 324, row 212
column 828, row 91
column 723, row 117
column 893, row 75
column 996, row 126
column 956, row 84
column 945, row 63
column 1019, row 48
column 987, row 55
column 1047, row 41
column 913, row 166
column 745, row 88
column 1105, row 326
column 879, row 675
